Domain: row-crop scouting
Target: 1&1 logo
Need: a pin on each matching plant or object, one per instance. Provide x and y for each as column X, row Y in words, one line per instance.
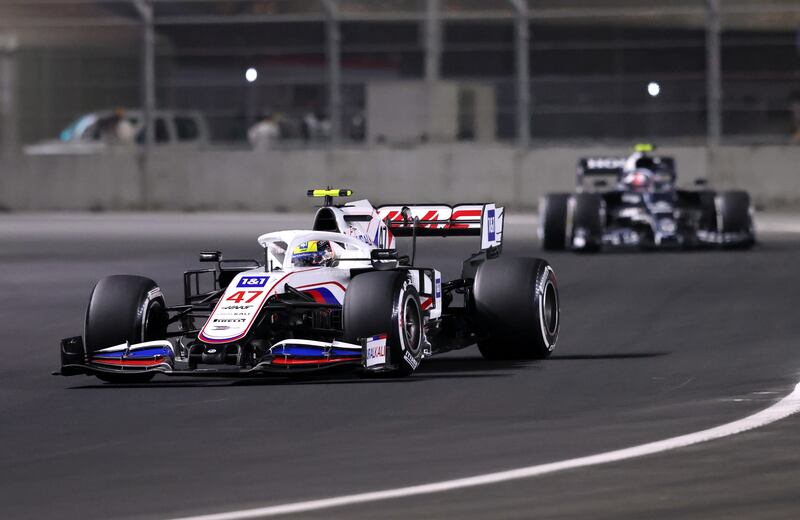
column 253, row 281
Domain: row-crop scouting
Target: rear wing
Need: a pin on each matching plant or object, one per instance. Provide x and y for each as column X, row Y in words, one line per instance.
column 442, row 220
column 599, row 166
column 596, row 166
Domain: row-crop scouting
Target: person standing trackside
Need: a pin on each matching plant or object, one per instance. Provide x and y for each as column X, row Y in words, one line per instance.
column 117, row 129
column 264, row 133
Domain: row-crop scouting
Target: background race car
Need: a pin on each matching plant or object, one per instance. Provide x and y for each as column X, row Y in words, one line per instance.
column 643, row 208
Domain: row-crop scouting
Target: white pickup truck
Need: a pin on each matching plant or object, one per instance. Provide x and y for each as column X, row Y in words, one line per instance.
column 95, row 132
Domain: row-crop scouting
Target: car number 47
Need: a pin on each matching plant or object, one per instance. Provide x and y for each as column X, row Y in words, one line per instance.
column 238, row 296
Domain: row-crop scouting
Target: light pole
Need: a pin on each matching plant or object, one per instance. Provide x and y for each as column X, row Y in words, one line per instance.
column 333, row 51
column 522, row 51
column 145, row 10
column 713, row 74
column 251, row 75
column 8, row 110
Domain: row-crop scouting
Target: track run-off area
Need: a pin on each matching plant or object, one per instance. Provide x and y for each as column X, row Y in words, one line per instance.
column 658, row 353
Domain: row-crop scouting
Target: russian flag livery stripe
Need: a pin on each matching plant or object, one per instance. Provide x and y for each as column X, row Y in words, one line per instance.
column 331, row 293
column 322, row 295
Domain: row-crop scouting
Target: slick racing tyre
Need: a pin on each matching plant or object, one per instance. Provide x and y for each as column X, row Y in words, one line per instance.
column 384, row 302
column 733, row 216
column 553, row 221
column 517, row 307
column 586, row 220
column 706, row 201
column 124, row 308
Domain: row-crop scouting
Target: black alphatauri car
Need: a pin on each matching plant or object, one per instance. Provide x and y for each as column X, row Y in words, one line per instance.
column 642, row 209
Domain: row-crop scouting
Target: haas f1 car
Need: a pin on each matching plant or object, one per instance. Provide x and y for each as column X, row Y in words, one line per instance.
column 643, row 209
column 336, row 295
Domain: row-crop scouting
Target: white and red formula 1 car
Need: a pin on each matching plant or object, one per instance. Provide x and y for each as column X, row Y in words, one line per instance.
column 338, row 294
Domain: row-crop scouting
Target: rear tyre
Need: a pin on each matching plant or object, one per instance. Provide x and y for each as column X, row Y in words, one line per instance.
column 733, row 216
column 384, row 302
column 553, row 221
column 586, row 215
column 124, row 308
column 517, row 307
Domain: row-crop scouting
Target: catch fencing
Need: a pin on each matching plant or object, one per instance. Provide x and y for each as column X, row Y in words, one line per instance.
column 685, row 71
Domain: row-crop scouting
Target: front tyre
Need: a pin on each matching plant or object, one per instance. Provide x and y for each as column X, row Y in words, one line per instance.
column 384, row 302
column 553, row 221
column 586, row 222
column 124, row 308
column 517, row 308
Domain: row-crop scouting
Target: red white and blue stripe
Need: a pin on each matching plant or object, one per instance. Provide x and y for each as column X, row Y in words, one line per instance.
column 142, row 355
column 331, row 293
column 310, row 352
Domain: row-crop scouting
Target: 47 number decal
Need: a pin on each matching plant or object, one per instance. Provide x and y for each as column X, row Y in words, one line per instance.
column 238, row 296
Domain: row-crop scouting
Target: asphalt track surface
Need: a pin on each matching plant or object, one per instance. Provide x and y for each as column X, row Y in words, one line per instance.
column 652, row 346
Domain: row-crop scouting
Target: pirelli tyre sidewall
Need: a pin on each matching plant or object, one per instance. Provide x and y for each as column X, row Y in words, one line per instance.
column 385, row 302
column 517, row 308
column 407, row 324
column 124, row 308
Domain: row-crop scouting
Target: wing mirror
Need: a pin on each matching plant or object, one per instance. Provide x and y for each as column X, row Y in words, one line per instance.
column 210, row 256
column 384, row 259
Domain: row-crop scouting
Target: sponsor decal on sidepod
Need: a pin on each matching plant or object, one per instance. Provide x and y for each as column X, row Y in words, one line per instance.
column 253, row 281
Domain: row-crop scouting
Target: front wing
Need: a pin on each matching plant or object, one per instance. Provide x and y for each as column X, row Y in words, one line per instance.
column 631, row 237
column 158, row 357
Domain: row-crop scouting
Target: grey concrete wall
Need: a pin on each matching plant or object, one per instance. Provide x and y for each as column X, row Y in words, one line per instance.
column 276, row 180
column 78, row 183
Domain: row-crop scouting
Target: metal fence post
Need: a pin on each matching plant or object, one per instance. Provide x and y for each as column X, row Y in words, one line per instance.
column 433, row 52
column 148, row 93
column 713, row 75
column 333, row 50
column 8, row 102
column 522, row 51
column 433, row 42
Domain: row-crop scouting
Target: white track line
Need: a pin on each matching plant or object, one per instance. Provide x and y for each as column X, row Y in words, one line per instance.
column 784, row 408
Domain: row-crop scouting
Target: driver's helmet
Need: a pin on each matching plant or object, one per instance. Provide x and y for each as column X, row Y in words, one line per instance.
column 313, row 253
column 639, row 179
column 637, row 173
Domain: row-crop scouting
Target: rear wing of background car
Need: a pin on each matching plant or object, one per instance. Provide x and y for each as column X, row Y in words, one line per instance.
column 599, row 166
column 613, row 166
column 442, row 220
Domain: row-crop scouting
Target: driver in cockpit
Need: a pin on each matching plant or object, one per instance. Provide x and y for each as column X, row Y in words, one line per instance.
column 314, row 253
column 642, row 172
